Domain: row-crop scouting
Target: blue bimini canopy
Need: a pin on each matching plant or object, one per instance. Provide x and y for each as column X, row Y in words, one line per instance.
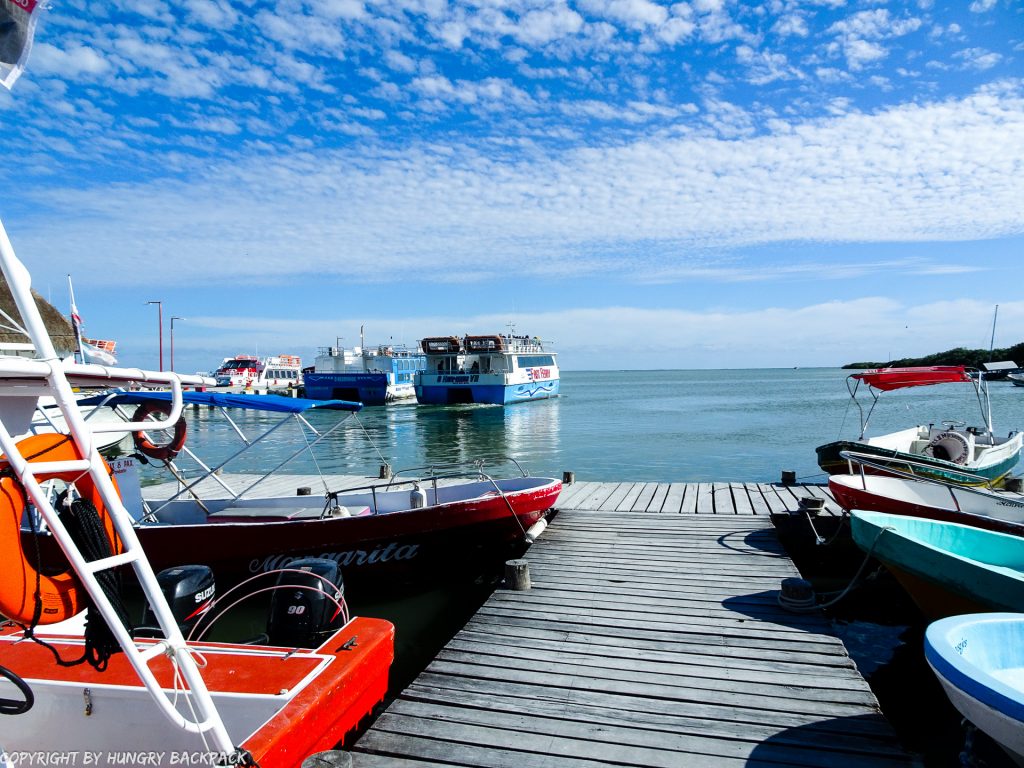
column 274, row 403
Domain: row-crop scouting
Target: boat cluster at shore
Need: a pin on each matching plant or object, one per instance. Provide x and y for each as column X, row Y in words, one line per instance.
column 939, row 508
column 498, row 369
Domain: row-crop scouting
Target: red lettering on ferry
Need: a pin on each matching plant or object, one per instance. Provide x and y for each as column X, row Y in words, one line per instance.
column 28, row 5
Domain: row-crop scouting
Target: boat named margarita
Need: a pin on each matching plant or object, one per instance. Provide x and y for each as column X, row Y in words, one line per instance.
column 498, row 369
column 369, row 375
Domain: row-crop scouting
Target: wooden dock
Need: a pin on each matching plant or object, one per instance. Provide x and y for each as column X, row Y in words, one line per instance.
column 651, row 637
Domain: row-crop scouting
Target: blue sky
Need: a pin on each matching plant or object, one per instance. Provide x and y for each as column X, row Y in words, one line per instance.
column 648, row 184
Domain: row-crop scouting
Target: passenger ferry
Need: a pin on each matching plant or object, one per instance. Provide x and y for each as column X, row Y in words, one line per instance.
column 497, row 369
column 268, row 374
column 373, row 376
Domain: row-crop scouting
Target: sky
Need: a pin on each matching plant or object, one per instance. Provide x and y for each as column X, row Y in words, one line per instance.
column 701, row 184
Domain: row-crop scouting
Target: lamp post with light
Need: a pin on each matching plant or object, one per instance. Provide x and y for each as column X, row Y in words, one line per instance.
column 160, row 320
column 173, row 318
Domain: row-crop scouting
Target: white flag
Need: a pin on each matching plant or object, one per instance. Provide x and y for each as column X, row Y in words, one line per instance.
column 93, row 354
column 17, row 26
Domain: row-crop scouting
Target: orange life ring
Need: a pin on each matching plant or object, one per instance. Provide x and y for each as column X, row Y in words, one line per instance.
column 61, row 595
column 146, row 446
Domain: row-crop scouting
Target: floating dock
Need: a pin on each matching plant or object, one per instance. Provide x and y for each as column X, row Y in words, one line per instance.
column 651, row 637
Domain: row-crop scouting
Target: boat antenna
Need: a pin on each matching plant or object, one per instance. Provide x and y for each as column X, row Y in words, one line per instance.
column 992, row 341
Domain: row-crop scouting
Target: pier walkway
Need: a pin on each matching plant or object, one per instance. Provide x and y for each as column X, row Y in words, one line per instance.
column 651, row 637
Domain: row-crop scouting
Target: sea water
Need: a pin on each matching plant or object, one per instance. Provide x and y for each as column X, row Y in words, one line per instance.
column 652, row 426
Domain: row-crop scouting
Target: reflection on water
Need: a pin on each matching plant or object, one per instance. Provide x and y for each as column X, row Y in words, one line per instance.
column 681, row 426
column 404, row 436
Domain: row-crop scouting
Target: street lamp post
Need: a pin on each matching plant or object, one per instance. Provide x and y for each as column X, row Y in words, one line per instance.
column 160, row 320
column 173, row 318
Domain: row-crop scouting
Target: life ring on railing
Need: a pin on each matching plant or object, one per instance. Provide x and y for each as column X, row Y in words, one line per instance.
column 60, row 595
column 146, row 446
column 949, row 446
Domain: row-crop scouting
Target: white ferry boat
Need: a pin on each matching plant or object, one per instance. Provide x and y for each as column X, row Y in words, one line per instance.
column 498, row 369
column 369, row 375
column 268, row 374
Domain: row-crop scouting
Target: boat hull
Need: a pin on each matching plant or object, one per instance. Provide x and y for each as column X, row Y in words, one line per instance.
column 279, row 704
column 993, row 510
column 376, row 552
column 947, row 568
column 366, row 388
column 468, row 388
column 1002, row 461
column 978, row 662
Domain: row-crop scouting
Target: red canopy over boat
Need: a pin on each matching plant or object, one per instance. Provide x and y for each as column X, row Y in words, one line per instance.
column 923, row 376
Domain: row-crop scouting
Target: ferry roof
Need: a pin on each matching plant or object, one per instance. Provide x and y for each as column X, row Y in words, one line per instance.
column 275, row 403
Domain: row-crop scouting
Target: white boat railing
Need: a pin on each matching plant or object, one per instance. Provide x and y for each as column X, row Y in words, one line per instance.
column 48, row 375
column 868, row 460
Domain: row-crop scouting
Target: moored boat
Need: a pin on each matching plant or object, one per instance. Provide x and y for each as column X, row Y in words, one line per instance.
column 409, row 528
column 499, row 370
column 901, row 493
column 979, row 661
column 947, row 568
column 160, row 696
column 248, row 373
column 946, row 452
column 369, row 375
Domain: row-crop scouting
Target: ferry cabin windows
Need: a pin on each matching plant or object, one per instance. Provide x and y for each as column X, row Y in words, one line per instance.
column 534, row 361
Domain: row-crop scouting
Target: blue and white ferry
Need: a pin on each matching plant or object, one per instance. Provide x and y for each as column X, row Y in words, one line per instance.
column 499, row 369
column 372, row 376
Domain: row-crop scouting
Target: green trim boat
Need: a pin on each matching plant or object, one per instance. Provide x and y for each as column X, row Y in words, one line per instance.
column 952, row 451
column 947, row 568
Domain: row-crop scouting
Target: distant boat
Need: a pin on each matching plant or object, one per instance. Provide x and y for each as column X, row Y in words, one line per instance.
column 1016, row 378
column 978, row 659
column 947, row 568
column 499, row 370
column 955, row 452
column 247, row 373
column 369, row 375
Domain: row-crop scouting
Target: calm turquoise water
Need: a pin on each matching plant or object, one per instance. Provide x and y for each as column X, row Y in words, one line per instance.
column 740, row 425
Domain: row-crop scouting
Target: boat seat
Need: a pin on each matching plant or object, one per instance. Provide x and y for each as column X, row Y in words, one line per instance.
column 243, row 513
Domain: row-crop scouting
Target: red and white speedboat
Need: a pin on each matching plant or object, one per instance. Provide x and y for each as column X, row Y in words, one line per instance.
column 445, row 521
column 901, row 493
column 155, row 700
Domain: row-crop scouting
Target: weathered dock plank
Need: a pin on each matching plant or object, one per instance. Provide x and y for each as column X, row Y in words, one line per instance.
column 647, row 640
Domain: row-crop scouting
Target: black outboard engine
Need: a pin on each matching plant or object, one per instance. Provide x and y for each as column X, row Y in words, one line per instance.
column 305, row 617
column 189, row 590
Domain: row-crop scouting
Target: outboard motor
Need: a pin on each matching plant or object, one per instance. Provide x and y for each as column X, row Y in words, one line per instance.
column 189, row 590
column 305, row 617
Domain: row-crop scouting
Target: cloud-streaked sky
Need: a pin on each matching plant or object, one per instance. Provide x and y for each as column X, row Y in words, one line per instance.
column 648, row 184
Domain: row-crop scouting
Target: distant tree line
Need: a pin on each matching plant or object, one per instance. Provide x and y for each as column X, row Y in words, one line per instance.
column 972, row 358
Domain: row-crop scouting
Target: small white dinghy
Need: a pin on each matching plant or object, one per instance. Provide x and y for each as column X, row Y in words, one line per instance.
column 979, row 660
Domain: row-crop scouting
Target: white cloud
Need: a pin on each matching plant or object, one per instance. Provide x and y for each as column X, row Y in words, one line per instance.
column 792, row 24
column 857, row 36
column 942, row 171
column 978, row 58
column 982, row 6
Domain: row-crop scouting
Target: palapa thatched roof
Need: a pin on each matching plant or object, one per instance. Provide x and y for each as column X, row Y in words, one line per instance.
column 61, row 333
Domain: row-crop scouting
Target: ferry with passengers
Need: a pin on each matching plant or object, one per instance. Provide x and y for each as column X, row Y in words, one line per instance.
column 371, row 376
column 498, row 370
